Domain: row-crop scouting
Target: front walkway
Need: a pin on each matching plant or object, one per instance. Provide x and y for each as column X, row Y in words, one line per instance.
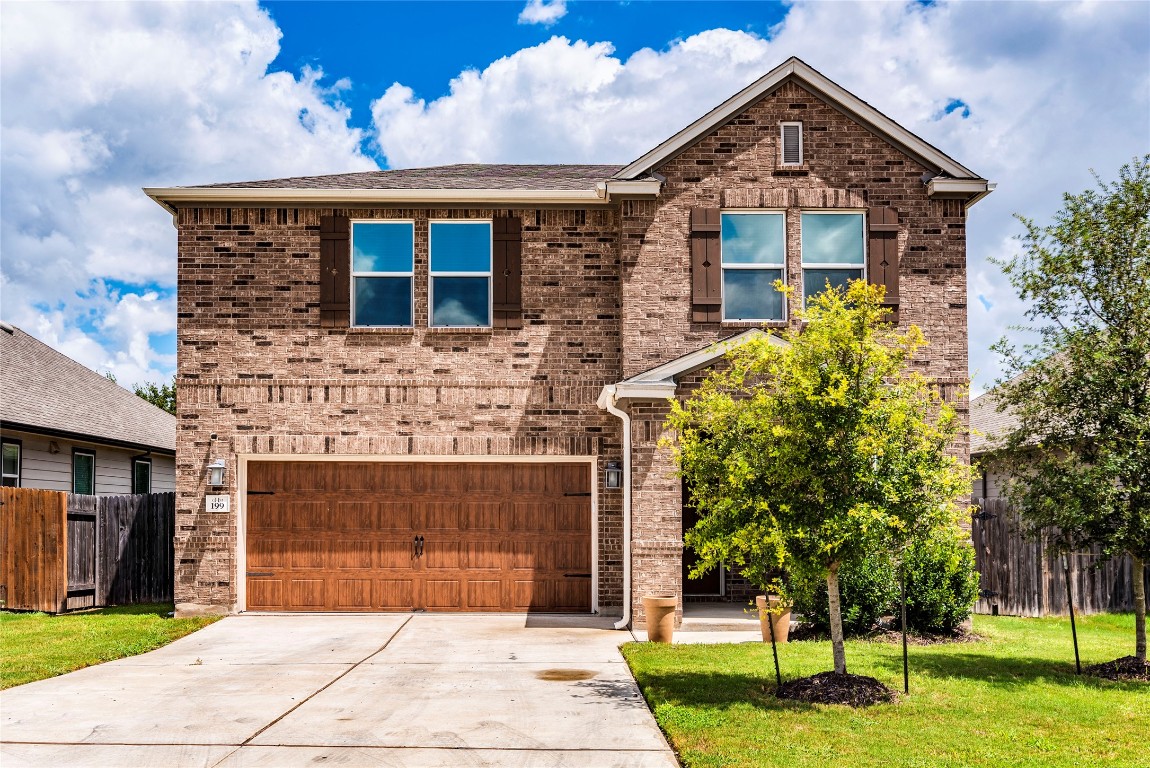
column 406, row 690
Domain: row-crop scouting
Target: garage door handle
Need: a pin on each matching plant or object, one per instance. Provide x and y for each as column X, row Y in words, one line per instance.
column 417, row 544
column 576, row 575
column 261, row 573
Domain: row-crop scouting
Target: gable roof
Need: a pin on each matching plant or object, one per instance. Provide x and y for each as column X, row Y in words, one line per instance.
column 834, row 94
column 574, row 184
column 44, row 390
column 662, row 380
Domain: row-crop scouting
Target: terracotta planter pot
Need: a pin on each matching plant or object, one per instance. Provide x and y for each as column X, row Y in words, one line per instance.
column 660, row 612
column 782, row 619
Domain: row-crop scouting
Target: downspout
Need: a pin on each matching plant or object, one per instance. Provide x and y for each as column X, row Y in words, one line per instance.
column 606, row 401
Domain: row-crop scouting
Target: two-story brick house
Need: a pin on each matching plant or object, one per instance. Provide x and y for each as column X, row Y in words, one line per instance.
column 443, row 388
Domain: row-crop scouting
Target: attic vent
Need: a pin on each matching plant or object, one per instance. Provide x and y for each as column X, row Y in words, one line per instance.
column 792, row 138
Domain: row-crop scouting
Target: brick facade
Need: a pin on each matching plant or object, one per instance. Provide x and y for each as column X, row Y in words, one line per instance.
column 606, row 295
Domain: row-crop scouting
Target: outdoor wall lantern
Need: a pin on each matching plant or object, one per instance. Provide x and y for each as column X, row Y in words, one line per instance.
column 216, row 473
column 613, row 475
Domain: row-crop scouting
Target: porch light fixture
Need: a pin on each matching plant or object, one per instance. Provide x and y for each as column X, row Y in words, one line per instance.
column 613, row 475
column 216, row 472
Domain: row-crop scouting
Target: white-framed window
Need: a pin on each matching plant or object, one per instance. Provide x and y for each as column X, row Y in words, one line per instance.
column 382, row 276
column 753, row 247
column 791, row 143
column 834, row 249
column 141, row 475
column 83, row 471
column 459, row 293
column 11, row 470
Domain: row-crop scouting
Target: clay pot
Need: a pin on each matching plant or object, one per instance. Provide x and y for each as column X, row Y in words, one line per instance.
column 780, row 616
column 660, row 612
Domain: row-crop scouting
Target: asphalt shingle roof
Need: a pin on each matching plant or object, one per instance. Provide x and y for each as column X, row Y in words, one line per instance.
column 463, row 176
column 40, row 387
column 989, row 426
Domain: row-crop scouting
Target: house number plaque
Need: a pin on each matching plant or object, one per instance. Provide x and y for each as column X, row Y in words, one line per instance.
column 218, row 503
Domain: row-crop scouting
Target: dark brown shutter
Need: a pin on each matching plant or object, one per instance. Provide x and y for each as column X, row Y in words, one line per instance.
column 882, row 254
column 334, row 272
column 706, row 266
column 507, row 273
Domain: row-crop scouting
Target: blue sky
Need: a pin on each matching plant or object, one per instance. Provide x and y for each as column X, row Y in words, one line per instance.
column 100, row 99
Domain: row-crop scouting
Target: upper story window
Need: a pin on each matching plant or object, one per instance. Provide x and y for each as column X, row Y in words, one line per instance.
column 11, row 470
column 791, row 140
column 753, row 258
column 83, row 472
column 381, row 273
column 833, row 250
column 460, row 285
column 141, row 475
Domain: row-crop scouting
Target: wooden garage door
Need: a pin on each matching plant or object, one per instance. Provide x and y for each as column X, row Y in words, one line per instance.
column 360, row 536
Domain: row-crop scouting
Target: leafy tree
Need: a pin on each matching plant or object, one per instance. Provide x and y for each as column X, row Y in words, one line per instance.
column 817, row 453
column 161, row 395
column 1080, row 454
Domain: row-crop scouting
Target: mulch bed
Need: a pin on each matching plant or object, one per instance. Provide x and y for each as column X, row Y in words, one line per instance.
column 833, row 688
column 806, row 632
column 1128, row 668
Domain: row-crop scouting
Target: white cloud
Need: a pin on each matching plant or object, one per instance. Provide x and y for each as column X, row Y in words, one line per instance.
column 101, row 99
column 545, row 12
column 1050, row 90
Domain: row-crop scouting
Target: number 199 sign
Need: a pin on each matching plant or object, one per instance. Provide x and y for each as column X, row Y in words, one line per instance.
column 218, row 503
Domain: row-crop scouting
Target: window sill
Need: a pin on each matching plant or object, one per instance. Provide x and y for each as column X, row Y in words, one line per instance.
column 754, row 324
column 459, row 329
column 386, row 331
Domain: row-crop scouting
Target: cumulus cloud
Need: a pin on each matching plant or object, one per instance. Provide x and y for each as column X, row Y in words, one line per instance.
column 101, row 99
column 1029, row 95
column 545, row 12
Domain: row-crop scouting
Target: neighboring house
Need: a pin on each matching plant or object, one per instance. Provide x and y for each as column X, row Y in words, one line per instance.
column 444, row 388
column 67, row 428
column 989, row 427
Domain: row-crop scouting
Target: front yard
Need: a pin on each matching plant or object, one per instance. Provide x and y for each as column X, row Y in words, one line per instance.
column 1011, row 699
column 34, row 646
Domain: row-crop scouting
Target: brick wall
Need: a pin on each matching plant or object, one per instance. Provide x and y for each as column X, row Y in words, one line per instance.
column 257, row 371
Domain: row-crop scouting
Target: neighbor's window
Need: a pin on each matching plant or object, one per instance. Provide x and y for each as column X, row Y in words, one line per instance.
column 832, row 250
column 460, row 274
column 11, row 474
column 381, row 273
column 141, row 475
column 754, row 257
column 83, row 472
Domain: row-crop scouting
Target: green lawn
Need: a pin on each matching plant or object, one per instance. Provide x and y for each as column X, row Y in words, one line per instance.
column 34, row 646
column 1011, row 699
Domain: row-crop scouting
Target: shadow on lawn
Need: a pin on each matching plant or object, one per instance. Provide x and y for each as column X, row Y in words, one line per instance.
column 1004, row 672
column 716, row 690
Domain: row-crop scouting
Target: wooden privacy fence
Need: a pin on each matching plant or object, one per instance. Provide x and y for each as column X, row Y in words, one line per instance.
column 62, row 551
column 1024, row 577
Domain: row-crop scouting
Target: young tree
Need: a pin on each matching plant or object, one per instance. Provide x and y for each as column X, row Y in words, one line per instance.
column 813, row 454
column 1080, row 454
column 160, row 395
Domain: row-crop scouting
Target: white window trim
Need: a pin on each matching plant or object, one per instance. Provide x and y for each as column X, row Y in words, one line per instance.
column 782, row 143
column 432, row 274
column 832, row 265
column 19, row 461
column 723, row 267
column 409, row 275
column 83, row 452
column 141, row 460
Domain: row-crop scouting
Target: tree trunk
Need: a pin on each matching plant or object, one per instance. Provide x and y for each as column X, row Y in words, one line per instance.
column 837, row 619
column 1139, row 609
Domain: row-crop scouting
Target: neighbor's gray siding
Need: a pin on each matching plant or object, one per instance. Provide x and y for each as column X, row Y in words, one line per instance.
column 40, row 468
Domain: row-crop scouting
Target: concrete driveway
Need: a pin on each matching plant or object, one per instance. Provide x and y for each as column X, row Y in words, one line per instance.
column 376, row 690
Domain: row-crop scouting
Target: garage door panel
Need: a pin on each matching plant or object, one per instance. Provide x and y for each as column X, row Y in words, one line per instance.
column 441, row 594
column 353, row 594
column 395, row 516
column 307, row 594
column 394, row 594
column 483, row 517
column 484, row 595
column 307, row 553
column 496, row 536
column 355, row 516
column 265, row 594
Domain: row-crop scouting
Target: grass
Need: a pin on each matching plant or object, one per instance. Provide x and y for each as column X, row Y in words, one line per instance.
column 34, row 646
column 1011, row 699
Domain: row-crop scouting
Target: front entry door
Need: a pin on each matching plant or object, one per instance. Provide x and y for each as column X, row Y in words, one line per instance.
column 710, row 583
